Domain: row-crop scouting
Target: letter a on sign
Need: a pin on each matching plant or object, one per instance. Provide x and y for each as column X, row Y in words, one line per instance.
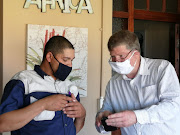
column 28, row 2
column 88, row 6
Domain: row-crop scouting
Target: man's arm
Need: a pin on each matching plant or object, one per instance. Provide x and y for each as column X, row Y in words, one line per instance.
column 79, row 123
column 16, row 119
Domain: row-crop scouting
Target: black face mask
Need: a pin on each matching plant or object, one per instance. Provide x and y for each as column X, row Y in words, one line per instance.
column 62, row 72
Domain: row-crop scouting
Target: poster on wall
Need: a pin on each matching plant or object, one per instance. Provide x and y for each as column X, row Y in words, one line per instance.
column 37, row 37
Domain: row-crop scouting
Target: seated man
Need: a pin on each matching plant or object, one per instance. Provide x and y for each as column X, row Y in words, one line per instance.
column 36, row 102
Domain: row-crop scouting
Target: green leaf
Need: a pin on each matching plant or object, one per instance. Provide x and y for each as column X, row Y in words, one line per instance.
column 36, row 54
column 30, row 64
column 80, row 88
column 82, row 95
column 74, row 78
column 76, row 69
column 33, row 59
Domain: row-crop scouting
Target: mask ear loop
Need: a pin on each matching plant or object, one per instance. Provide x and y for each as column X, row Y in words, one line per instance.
column 55, row 58
column 50, row 63
column 51, row 67
column 131, row 57
column 134, row 64
column 132, row 54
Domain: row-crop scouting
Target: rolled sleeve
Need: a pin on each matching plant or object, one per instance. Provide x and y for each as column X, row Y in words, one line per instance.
column 142, row 116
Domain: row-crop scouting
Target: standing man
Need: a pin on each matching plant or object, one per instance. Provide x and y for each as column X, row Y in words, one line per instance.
column 37, row 102
column 143, row 97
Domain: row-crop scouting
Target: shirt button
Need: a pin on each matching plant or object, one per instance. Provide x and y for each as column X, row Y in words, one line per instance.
column 66, row 125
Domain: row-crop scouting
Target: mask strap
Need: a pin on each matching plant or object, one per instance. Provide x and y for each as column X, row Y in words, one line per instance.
column 132, row 55
column 51, row 67
column 55, row 58
column 134, row 64
column 50, row 63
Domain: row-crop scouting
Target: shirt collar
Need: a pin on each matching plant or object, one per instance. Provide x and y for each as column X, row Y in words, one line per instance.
column 39, row 71
column 143, row 70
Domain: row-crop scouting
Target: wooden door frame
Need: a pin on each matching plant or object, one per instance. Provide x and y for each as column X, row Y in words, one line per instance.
column 177, row 49
column 162, row 16
column 147, row 15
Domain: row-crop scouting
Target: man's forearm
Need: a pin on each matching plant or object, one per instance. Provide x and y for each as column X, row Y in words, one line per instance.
column 79, row 123
column 18, row 118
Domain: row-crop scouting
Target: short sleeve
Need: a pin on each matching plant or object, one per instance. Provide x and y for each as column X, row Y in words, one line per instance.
column 13, row 96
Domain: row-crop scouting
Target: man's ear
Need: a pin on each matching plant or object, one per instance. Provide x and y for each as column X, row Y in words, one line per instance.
column 49, row 56
column 137, row 53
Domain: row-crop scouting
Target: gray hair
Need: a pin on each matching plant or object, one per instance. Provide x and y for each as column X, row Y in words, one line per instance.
column 124, row 37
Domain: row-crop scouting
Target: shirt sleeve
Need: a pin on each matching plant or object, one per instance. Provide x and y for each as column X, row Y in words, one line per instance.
column 169, row 98
column 13, row 96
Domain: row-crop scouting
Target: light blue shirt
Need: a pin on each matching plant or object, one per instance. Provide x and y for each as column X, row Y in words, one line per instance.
column 154, row 96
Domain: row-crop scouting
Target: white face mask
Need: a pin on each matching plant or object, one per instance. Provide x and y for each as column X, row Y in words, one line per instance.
column 123, row 67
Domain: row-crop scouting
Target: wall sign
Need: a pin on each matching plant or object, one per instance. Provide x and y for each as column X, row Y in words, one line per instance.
column 64, row 5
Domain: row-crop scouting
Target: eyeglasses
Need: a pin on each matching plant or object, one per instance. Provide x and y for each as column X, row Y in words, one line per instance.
column 119, row 57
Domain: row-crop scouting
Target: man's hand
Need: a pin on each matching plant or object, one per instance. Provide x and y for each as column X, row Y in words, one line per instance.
column 55, row 102
column 122, row 119
column 100, row 115
column 74, row 109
